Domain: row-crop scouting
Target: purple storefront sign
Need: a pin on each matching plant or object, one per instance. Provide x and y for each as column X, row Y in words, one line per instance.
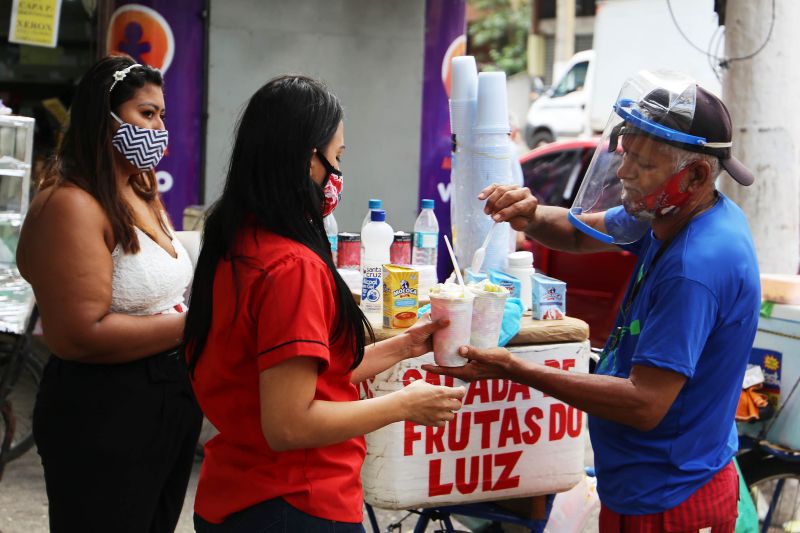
column 445, row 24
column 169, row 35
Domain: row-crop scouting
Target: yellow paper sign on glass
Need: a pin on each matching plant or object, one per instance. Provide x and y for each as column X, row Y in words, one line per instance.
column 35, row 22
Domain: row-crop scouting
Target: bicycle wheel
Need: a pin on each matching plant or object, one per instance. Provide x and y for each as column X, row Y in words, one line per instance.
column 775, row 487
column 19, row 403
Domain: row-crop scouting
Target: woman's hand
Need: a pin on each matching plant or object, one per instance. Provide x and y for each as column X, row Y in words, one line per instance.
column 430, row 405
column 419, row 337
column 413, row 342
column 489, row 363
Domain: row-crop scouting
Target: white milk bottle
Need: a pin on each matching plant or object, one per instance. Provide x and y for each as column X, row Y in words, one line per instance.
column 520, row 265
column 376, row 240
column 374, row 203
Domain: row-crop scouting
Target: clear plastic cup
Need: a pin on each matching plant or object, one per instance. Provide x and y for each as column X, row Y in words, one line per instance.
column 464, row 79
column 447, row 341
column 492, row 112
column 487, row 317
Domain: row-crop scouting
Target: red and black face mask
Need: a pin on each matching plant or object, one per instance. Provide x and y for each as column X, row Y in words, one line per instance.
column 332, row 187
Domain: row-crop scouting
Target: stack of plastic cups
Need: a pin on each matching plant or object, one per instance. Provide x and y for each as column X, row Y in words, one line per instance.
column 491, row 163
column 463, row 102
column 517, row 178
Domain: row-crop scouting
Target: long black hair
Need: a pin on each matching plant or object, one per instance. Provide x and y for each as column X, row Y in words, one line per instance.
column 269, row 181
column 85, row 156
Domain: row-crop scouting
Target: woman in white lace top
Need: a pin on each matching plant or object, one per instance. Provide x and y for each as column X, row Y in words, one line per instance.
column 115, row 421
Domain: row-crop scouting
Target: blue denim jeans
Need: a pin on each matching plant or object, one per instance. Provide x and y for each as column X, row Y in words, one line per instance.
column 275, row 516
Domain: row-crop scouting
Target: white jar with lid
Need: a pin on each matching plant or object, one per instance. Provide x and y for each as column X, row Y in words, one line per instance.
column 520, row 265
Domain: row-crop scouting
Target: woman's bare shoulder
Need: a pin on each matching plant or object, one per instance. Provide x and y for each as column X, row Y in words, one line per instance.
column 64, row 199
column 61, row 215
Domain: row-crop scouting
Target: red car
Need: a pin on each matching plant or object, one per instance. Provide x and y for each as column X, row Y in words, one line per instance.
column 596, row 283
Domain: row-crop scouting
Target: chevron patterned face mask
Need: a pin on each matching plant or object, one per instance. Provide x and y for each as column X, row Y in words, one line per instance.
column 142, row 147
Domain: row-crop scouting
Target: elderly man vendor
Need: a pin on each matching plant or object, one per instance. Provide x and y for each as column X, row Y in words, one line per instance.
column 661, row 405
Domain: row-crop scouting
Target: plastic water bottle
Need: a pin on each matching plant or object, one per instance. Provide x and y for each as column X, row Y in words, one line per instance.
column 332, row 231
column 376, row 238
column 426, row 235
column 374, row 203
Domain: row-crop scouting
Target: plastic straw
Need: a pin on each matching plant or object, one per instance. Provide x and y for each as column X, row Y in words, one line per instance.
column 455, row 263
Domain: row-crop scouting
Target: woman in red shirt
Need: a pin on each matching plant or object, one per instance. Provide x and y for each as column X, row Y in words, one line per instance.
column 275, row 340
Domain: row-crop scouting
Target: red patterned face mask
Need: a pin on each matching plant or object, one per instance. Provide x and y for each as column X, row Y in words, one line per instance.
column 668, row 198
column 332, row 191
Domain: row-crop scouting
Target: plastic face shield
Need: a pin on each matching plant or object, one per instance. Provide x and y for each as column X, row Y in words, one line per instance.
column 652, row 108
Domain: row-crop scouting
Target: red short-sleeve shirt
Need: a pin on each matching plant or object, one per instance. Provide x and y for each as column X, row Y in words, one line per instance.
column 282, row 305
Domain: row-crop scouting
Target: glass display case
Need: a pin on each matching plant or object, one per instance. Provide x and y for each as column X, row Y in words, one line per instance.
column 16, row 154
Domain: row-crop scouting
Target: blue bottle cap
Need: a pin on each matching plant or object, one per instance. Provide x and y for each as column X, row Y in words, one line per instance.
column 378, row 215
column 374, row 203
column 427, row 203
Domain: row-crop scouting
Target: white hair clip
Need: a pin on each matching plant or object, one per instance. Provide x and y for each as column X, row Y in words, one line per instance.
column 120, row 75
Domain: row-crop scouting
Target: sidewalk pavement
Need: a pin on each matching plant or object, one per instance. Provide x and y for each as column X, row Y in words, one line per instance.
column 23, row 502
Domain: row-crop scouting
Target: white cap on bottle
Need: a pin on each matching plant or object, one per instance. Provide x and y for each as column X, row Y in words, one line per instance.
column 520, row 260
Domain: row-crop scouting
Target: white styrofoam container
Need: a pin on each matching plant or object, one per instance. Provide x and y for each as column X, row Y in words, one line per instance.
column 508, row 440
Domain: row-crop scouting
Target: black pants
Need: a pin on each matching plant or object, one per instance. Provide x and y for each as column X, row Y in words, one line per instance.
column 275, row 516
column 117, row 443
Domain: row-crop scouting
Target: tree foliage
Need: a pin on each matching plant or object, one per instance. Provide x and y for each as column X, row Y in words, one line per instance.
column 498, row 38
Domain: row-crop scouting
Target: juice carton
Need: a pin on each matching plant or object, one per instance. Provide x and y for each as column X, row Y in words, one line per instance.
column 474, row 277
column 400, row 296
column 511, row 283
column 548, row 297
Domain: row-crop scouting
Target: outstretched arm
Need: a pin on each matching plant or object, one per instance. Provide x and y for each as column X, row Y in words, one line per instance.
column 413, row 342
column 292, row 417
column 548, row 225
column 640, row 401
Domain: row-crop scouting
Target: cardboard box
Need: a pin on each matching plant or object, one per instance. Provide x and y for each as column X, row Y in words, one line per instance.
column 400, row 296
column 780, row 288
column 508, row 440
column 548, row 298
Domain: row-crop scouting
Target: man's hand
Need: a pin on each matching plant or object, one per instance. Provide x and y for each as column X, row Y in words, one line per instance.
column 419, row 337
column 483, row 364
column 510, row 203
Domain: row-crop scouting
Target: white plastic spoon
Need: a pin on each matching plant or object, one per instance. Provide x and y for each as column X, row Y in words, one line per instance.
column 480, row 253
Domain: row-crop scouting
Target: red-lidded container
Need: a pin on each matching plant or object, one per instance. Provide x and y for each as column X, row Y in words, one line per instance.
column 349, row 252
column 400, row 252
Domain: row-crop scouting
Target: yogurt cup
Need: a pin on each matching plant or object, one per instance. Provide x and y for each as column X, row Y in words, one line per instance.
column 487, row 313
column 453, row 303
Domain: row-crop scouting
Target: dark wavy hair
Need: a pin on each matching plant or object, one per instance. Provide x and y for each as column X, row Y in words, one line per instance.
column 85, row 155
column 269, row 183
